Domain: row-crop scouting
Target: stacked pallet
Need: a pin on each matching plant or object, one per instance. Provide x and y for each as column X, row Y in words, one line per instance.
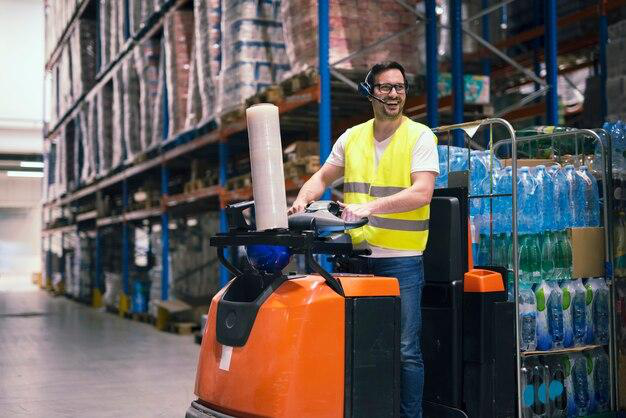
column 254, row 52
column 354, row 24
column 178, row 41
column 208, row 54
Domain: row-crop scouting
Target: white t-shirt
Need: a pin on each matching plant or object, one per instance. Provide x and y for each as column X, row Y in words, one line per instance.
column 423, row 158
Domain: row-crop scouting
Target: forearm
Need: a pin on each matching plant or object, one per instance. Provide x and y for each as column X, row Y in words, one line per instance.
column 312, row 189
column 404, row 201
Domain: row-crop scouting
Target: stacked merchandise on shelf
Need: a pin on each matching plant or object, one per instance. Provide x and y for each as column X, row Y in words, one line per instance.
column 83, row 48
column 194, row 106
column 575, row 384
column 159, row 133
column 89, row 147
column 147, row 56
column 112, row 36
column 616, row 67
column 155, row 274
column 58, row 14
column 140, row 12
column 254, row 55
column 208, row 55
column 56, row 263
column 132, row 108
column 71, row 276
column 111, row 265
column 558, row 309
column 354, row 25
column 142, row 261
column 194, row 263
column 84, row 264
column 178, row 41
column 118, row 147
column 104, row 126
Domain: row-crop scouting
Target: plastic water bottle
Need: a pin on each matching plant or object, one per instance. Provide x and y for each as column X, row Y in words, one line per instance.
column 549, row 316
column 573, row 200
column 590, row 294
column 580, row 383
column 591, row 197
column 545, row 198
column 567, row 290
column 566, row 361
column 458, row 159
column 557, row 405
column 547, row 257
column 502, row 215
column 562, row 254
column 528, row 318
column 530, row 259
column 579, row 312
column 601, row 379
column 535, row 378
column 527, row 205
column 566, row 188
column 442, row 179
column 600, row 310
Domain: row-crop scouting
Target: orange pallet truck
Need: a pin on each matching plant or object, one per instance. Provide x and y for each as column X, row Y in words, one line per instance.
column 317, row 345
column 327, row 345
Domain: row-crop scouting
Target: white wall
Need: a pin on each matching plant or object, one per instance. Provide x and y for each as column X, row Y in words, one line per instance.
column 21, row 75
column 21, row 114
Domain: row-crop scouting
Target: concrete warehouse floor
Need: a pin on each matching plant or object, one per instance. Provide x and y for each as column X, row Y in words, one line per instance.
column 59, row 358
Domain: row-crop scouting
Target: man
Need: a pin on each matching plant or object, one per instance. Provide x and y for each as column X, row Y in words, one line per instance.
column 389, row 166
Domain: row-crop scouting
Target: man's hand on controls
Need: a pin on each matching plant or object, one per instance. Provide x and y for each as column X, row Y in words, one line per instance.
column 297, row 206
column 354, row 212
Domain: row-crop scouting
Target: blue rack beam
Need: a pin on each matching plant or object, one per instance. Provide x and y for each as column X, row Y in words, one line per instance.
column 432, row 107
column 552, row 98
column 324, row 127
column 222, row 177
column 458, row 94
column 165, row 239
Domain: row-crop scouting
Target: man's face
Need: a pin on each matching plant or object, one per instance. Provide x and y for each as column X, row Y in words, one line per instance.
column 394, row 99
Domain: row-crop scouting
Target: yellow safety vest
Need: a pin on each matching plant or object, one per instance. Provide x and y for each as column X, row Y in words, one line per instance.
column 363, row 183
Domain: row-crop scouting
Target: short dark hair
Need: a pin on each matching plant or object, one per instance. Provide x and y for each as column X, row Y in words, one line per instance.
column 384, row 66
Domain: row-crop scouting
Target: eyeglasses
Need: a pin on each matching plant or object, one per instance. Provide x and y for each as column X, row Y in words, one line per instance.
column 386, row 88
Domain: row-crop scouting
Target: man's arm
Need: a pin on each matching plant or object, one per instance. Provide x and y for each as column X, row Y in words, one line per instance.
column 315, row 186
column 419, row 194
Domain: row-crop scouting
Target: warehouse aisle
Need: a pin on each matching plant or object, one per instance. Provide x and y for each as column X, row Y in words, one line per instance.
column 59, row 358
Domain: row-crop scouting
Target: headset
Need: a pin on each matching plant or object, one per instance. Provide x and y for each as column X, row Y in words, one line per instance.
column 366, row 88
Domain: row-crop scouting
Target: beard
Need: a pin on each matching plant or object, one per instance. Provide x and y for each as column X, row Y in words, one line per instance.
column 387, row 112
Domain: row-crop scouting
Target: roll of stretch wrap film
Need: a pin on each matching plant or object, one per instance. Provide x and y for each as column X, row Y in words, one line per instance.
column 266, row 159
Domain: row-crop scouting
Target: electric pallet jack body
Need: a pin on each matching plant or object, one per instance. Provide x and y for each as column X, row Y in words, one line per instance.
column 317, row 345
column 325, row 345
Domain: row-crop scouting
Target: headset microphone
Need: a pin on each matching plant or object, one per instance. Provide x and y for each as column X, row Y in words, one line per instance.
column 364, row 90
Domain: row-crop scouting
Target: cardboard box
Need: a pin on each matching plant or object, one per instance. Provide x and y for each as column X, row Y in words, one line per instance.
column 301, row 149
column 587, row 252
column 528, row 163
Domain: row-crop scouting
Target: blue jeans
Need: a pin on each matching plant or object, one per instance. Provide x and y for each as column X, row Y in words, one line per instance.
column 410, row 274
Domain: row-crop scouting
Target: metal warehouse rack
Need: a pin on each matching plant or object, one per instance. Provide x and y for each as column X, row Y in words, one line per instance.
column 320, row 110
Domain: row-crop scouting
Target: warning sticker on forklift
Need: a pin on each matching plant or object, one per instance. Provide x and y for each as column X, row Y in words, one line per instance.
column 227, row 354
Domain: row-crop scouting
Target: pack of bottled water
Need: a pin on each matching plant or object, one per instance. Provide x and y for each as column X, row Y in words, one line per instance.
column 565, row 314
column 565, row 385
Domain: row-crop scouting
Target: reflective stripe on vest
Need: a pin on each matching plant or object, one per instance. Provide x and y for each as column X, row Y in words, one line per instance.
column 364, row 182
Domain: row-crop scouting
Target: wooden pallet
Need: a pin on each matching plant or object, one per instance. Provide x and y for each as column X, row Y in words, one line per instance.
column 182, row 328
column 143, row 317
column 236, row 115
column 299, row 82
column 193, row 185
column 301, row 167
column 239, row 182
